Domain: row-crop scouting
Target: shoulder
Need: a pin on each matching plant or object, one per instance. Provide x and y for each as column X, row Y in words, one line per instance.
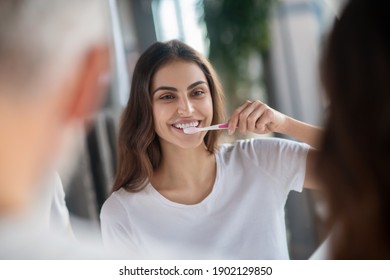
column 259, row 146
column 266, row 144
column 114, row 215
column 115, row 204
column 282, row 160
column 122, row 202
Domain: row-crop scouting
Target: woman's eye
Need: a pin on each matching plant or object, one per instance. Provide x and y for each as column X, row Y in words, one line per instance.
column 198, row 92
column 167, row 97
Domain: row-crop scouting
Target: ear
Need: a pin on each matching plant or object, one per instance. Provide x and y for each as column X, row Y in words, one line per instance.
column 90, row 85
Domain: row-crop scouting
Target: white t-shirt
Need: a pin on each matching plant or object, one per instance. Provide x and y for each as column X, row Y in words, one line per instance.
column 242, row 218
column 48, row 211
column 43, row 231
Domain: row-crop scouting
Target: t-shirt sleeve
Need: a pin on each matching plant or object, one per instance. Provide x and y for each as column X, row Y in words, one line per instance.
column 284, row 160
column 116, row 233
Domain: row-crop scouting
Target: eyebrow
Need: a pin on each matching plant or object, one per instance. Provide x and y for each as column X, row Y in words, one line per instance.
column 191, row 86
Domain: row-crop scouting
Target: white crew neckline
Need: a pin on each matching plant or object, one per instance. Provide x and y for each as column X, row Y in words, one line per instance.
column 209, row 197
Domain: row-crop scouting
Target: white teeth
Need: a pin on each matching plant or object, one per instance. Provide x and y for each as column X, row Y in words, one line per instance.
column 186, row 125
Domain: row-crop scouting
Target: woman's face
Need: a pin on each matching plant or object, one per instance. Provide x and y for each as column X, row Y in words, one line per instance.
column 181, row 98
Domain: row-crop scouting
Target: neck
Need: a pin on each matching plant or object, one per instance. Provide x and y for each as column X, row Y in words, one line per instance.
column 184, row 168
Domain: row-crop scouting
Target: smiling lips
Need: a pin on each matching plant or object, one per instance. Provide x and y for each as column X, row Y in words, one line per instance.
column 186, row 125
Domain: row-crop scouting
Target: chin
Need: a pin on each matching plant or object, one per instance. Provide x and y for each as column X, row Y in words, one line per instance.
column 188, row 145
column 184, row 143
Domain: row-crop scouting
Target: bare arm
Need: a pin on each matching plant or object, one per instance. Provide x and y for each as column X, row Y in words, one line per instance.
column 308, row 134
column 304, row 132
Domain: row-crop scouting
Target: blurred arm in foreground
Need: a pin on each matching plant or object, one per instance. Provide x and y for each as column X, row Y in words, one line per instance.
column 54, row 60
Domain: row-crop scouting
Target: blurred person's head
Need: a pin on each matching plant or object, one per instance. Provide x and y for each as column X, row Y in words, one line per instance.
column 53, row 55
column 172, row 84
column 355, row 157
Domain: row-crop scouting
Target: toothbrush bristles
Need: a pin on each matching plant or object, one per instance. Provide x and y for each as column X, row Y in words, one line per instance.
column 190, row 130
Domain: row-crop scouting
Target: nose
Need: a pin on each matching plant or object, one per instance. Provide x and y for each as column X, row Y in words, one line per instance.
column 185, row 107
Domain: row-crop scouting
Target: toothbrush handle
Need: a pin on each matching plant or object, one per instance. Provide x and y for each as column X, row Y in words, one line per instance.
column 223, row 126
column 216, row 127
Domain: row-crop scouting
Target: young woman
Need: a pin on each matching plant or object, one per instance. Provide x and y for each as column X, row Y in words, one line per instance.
column 183, row 196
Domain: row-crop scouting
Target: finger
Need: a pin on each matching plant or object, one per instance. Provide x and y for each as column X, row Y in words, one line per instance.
column 233, row 121
column 263, row 122
column 243, row 117
column 254, row 117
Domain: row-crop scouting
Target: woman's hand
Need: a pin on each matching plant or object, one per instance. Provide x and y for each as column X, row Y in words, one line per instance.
column 257, row 117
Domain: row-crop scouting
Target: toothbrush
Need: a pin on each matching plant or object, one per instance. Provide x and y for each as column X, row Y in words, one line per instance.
column 193, row 130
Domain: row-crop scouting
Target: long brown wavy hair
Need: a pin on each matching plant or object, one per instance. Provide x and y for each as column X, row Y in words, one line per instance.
column 139, row 152
column 354, row 160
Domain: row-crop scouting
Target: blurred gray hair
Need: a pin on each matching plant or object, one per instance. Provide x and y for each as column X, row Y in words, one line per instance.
column 45, row 37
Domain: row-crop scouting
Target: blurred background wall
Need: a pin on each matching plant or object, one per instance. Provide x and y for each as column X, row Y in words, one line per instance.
column 262, row 49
